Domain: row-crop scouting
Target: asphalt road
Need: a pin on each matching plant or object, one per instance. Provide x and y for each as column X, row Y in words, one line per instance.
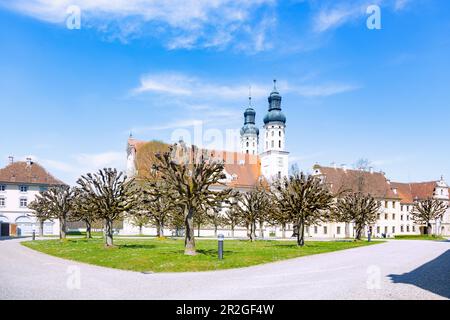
column 398, row 269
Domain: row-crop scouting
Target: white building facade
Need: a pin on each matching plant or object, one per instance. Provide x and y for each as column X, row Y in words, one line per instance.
column 20, row 182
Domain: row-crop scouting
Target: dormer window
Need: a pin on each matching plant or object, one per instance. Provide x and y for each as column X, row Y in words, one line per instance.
column 23, row 189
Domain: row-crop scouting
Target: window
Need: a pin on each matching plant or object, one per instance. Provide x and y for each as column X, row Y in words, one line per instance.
column 315, row 229
column 386, row 230
column 401, row 229
column 378, row 229
column 247, row 151
column 2, row 188
column 378, row 216
column 407, row 228
column 23, row 188
column 401, row 217
column 279, row 144
column 273, row 144
column 393, row 204
column 325, row 230
column 386, row 216
column 393, row 229
column 247, row 144
column 401, row 208
column 338, row 230
column 393, row 216
column 2, row 202
column 23, row 202
column 414, row 228
column 386, row 204
column 407, row 217
column 273, row 133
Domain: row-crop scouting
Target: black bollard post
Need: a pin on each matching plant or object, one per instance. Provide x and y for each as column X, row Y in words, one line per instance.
column 220, row 238
column 34, row 235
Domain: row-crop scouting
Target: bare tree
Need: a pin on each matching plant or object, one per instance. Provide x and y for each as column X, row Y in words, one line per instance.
column 55, row 203
column 425, row 211
column 139, row 219
column 41, row 213
column 109, row 193
column 232, row 216
column 255, row 207
column 304, row 199
column 359, row 208
column 190, row 174
column 83, row 210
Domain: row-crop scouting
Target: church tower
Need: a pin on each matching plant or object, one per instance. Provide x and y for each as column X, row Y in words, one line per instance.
column 249, row 132
column 274, row 158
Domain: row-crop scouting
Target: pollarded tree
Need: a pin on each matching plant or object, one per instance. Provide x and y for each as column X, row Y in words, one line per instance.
column 83, row 210
column 425, row 211
column 190, row 174
column 110, row 194
column 255, row 205
column 304, row 199
column 41, row 213
column 359, row 208
column 155, row 204
column 232, row 216
column 139, row 219
column 56, row 203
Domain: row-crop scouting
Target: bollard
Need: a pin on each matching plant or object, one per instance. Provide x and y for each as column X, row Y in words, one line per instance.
column 368, row 236
column 220, row 238
column 34, row 235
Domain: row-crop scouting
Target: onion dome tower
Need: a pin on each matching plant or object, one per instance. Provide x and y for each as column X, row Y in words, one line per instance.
column 249, row 132
column 274, row 159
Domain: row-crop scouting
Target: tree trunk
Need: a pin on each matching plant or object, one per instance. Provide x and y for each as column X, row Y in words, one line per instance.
column 232, row 230
column 358, row 232
column 301, row 234
column 41, row 227
column 161, row 230
column 62, row 228
column 198, row 229
column 189, row 242
column 158, row 230
column 88, row 230
column 215, row 230
column 109, row 233
column 283, row 230
column 261, row 229
column 253, row 231
column 140, row 230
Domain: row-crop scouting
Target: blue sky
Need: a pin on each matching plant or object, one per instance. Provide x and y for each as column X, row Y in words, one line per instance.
column 69, row 98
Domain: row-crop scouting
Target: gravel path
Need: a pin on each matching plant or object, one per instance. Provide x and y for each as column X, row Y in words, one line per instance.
column 398, row 269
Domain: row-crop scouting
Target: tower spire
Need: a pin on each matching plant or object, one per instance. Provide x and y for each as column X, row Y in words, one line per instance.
column 274, row 84
column 249, row 95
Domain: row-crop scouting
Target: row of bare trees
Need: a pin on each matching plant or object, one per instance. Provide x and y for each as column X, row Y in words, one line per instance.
column 185, row 189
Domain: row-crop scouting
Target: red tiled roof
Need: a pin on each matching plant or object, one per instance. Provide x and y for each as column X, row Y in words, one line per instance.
column 421, row 190
column 22, row 172
column 340, row 180
column 245, row 169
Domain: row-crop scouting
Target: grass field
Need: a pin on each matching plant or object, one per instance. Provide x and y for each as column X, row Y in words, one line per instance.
column 154, row 255
column 419, row 237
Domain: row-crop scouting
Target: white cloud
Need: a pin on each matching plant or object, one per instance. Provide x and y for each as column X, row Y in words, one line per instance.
column 101, row 160
column 177, row 84
column 183, row 23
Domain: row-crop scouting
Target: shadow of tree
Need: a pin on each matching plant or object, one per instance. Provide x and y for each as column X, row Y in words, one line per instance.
column 433, row 276
column 136, row 246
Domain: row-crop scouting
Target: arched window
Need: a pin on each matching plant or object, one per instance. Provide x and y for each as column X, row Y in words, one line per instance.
column 273, row 145
column 279, row 133
column 247, row 144
column 279, row 143
column 273, row 133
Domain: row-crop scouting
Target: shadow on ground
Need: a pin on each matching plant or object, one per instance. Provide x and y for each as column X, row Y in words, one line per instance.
column 433, row 276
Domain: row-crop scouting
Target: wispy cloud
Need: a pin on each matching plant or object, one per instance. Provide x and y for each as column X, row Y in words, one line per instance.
column 178, row 84
column 182, row 23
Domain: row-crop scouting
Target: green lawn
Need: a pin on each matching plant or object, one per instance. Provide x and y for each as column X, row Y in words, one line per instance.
column 419, row 237
column 153, row 255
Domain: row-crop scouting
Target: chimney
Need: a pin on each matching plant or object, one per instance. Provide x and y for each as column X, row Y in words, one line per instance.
column 29, row 161
column 11, row 159
column 371, row 170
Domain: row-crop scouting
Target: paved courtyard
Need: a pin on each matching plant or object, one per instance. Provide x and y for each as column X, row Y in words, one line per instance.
column 398, row 269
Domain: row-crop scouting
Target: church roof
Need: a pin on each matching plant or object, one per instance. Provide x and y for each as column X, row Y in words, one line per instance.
column 341, row 180
column 27, row 173
column 417, row 190
column 243, row 169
